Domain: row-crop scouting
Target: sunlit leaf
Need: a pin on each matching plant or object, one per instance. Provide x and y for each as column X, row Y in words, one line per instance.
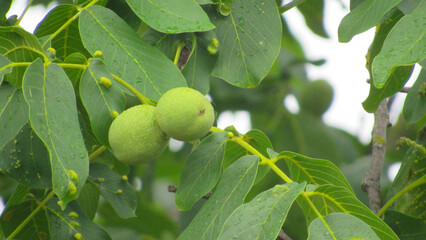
column 53, row 116
column 125, row 55
column 172, row 16
column 202, row 170
column 247, row 48
column 230, row 192
column 344, row 226
column 262, row 217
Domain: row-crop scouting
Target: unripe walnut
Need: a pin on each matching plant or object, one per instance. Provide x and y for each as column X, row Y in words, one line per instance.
column 135, row 137
column 184, row 114
column 316, row 97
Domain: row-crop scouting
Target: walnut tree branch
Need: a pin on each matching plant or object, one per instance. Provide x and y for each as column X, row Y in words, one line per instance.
column 371, row 181
column 283, row 236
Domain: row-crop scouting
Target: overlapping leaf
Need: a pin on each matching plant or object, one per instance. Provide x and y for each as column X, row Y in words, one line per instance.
column 172, row 16
column 344, row 226
column 397, row 79
column 100, row 100
column 314, row 171
column 68, row 40
column 313, row 12
column 126, row 56
column 72, row 221
column 3, row 69
column 198, row 68
column 407, row 227
column 74, row 74
column 256, row 139
column 366, row 15
column 262, row 217
column 248, row 48
column 26, row 160
column 405, row 45
column 53, row 116
column 202, row 170
column 37, row 229
column 329, row 199
column 88, row 200
column 415, row 102
column 18, row 46
column 116, row 190
column 13, row 113
column 230, row 192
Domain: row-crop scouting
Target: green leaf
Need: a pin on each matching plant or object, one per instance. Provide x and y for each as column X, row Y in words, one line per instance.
column 108, row 159
column 230, row 192
column 36, row 229
column 53, row 116
column 4, row 9
column 405, row 45
column 314, row 171
column 172, row 16
column 74, row 74
column 26, row 160
column 199, row 66
column 165, row 42
column 412, row 168
column 18, row 195
column 344, row 226
column 68, row 41
column 3, row 71
column 415, row 102
column 13, row 113
column 89, row 200
column 313, row 12
column 406, row 227
column 201, row 171
column 364, row 16
column 18, row 46
column 126, row 56
column 248, row 49
column 204, row 1
column 329, row 198
column 256, row 139
column 71, row 221
column 407, row 6
column 262, row 217
column 397, row 80
column 100, row 100
column 116, row 190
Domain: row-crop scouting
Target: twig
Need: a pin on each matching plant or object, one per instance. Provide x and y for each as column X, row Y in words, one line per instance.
column 283, row 236
column 173, row 189
column 289, row 5
column 371, row 181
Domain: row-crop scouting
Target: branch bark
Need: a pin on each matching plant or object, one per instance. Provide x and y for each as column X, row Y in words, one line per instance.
column 283, row 236
column 371, row 181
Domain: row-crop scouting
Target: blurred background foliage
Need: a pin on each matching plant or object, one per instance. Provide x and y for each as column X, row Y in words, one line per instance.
column 302, row 131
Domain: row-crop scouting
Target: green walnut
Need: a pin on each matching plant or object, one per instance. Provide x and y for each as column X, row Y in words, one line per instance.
column 135, row 137
column 184, row 114
column 316, row 97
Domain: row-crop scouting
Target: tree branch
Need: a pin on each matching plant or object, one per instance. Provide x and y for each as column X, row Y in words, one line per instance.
column 371, row 181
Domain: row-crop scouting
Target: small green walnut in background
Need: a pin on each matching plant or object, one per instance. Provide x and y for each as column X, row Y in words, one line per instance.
column 184, row 114
column 316, row 97
column 135, row 136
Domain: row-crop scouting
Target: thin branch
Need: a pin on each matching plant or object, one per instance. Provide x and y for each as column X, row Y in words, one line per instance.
column 289, row 5
column 283, row 236
column 173, row 189
column 371, row 181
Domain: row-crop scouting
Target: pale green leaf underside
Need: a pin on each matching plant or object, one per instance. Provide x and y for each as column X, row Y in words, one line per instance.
column 250, row 40
column 172, row 16
column 344, row 226
column 13, row 113
column 230, row 192
column 366, row 15
column 53, row 116
column 126, row 55
column 405, row 45
column 108, row 182
column 262, row 217
column 201, row 171
column 99, row 100
column 330, row 198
